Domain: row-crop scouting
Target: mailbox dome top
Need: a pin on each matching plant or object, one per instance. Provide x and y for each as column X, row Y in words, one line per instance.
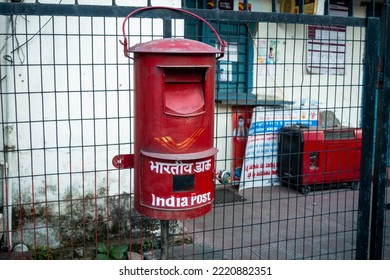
column 174, row 45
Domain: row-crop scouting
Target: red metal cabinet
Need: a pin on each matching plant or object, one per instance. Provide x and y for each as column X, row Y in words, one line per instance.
column 310, row 156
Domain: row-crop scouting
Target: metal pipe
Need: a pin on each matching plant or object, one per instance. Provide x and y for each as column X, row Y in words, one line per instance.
column 1, row 226
column 6, row 220
column 9, row 138
column 1, row 202
column 164, row 226
column 2, row 176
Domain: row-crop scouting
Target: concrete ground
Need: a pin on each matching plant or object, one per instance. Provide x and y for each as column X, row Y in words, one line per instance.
column 277, row 223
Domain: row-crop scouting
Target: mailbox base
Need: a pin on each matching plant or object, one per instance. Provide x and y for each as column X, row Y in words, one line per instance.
column 174, row 214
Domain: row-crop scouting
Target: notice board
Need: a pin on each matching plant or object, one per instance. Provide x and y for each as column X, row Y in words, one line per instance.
column 326, row 49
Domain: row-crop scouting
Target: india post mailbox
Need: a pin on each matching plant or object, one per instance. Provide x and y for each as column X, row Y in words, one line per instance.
column 174, row 155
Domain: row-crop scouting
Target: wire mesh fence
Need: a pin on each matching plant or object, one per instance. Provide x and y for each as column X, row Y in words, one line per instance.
column 67, row 108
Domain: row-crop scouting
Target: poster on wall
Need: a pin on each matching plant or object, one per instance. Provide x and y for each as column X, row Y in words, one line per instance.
column 267, row 51
column 339, row 8
column 326, row 45
column 241, row 118
column 226, row 63
column 222, row 4
column 225, row 4
column 267, row 55
column 326, row 49
column 241, row 6
column 260, row 162
column 292, row 7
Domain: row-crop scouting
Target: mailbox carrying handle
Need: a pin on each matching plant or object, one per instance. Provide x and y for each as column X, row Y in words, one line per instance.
column 222, row 43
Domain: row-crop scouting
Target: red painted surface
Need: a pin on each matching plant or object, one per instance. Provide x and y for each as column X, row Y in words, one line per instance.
column 174, row 159
column 241, row 118
column 310, row 156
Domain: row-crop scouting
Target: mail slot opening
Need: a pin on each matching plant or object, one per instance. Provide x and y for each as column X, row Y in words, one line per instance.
column 183, row 91
column 183, row 183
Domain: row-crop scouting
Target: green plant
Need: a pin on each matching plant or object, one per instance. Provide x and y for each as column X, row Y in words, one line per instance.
column 113, row 252
column 146, row 245
column 43, row 253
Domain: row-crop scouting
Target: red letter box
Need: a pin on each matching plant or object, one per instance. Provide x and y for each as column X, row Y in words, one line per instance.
column 174, row 158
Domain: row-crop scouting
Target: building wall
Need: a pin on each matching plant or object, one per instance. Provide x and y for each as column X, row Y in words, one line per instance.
column 289, row 80
column 67, row 101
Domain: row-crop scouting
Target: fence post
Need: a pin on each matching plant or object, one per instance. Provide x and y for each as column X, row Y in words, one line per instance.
column 382, row 124
column 368, row 121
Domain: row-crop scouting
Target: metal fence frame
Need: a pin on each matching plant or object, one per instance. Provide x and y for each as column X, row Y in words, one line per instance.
column 372, row 231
